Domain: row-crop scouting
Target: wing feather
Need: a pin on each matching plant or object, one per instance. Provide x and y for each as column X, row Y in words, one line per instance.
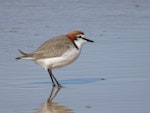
column 52, row 47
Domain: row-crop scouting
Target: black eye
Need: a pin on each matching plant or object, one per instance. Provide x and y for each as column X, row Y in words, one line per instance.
column 79, row 36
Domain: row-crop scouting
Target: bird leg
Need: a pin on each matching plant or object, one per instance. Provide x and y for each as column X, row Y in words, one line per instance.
column 53, row 78
column 56, row 81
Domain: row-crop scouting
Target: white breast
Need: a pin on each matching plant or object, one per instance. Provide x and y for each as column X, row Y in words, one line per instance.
column 57, row 62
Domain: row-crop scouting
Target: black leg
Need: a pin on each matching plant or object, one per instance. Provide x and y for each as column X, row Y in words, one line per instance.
column 51, row 76
column 56, row 80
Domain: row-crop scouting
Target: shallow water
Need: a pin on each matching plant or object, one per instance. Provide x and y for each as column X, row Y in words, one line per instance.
column 110, row 76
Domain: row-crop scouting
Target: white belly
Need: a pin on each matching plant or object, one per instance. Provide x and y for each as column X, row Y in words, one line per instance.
column 58, row 62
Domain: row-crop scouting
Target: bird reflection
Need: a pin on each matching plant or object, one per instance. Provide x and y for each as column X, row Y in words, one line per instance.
column 53, row 107
column 53, row 93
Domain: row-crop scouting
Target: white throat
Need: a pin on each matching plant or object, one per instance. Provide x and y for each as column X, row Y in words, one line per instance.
column 80, row 42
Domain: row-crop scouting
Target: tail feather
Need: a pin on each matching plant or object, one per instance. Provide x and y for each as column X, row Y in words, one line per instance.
column 24, row 55
column 18, row 58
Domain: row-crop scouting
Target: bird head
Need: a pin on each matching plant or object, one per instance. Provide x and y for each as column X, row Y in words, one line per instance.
column 78, row 38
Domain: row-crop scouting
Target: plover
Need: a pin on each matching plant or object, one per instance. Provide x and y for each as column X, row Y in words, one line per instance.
column 57, row 52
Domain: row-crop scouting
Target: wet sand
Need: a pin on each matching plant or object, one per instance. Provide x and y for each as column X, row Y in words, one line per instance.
column 111, row 76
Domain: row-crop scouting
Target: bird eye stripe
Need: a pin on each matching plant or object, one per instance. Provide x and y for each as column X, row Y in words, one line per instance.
column 80, row 36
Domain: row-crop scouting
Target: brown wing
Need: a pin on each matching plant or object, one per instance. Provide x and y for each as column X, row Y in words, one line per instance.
column 52, row 47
